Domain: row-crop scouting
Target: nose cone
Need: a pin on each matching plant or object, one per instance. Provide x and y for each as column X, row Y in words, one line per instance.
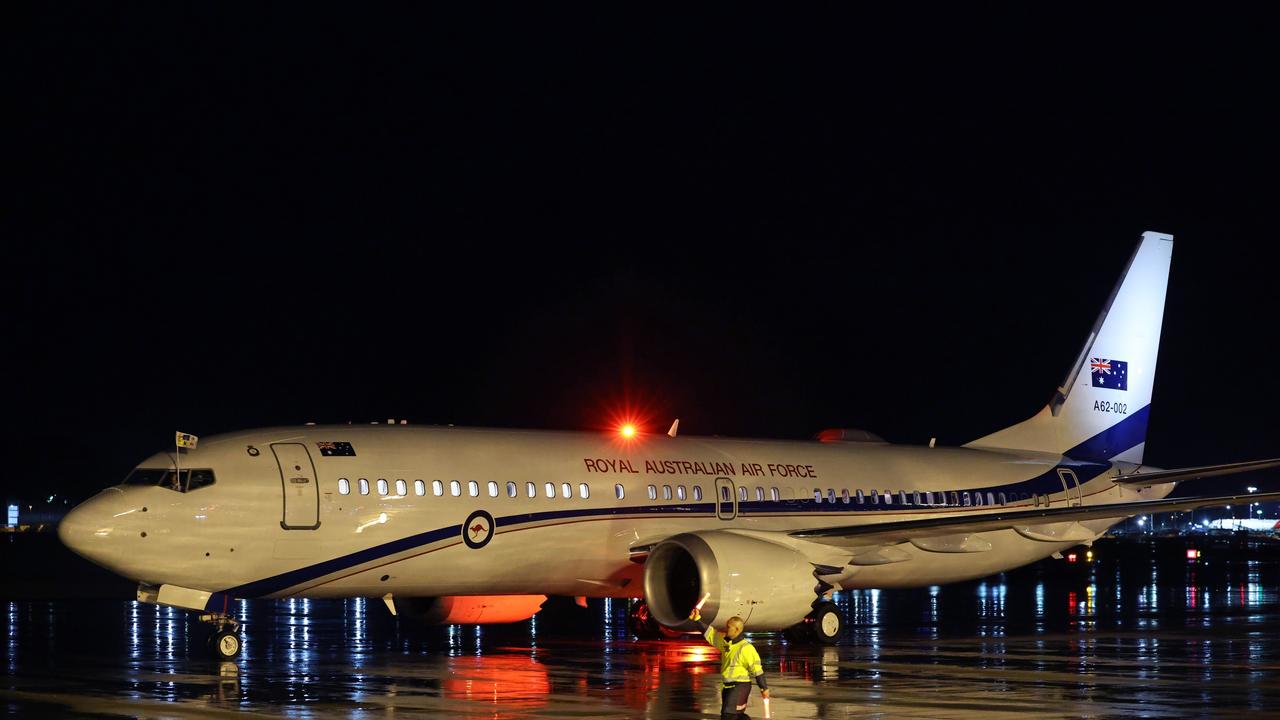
column 87, row 529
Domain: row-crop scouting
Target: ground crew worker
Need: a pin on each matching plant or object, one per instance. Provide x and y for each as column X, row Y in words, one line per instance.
column 739, row 664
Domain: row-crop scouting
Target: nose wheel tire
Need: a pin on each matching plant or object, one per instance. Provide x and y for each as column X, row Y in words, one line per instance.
column 224, row 645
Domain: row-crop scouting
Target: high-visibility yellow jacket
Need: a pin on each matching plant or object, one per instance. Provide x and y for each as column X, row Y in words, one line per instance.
column 739, row 661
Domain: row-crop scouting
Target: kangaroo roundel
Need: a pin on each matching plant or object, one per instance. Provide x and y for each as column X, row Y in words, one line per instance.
column 477, row 531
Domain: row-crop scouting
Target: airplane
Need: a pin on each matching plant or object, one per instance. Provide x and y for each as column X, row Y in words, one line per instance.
column 481, row 525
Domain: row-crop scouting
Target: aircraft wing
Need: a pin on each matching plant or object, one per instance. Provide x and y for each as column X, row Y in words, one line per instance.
column 1161, row 477
column 1047, row 523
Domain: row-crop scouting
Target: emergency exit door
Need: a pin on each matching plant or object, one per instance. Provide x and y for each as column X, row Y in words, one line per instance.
column 726, row 499
column 299, row 486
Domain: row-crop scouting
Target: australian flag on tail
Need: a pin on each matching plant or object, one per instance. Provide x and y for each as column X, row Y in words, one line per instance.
column 336, row 449
column 1111, row 374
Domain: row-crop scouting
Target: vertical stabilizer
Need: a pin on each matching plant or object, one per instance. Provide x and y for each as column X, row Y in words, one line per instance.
column 1100, row 411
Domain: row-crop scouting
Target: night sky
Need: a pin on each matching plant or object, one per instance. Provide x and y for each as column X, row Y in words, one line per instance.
column 763, row 223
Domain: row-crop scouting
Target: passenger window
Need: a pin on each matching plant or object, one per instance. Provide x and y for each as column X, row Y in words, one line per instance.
column 977, row 499
column 680, row 492
column 875, row 497
column 512, row 490
column 697, row 492
column 724, row 493
column 742, row 493
column 915, row 497
column 844, row 495
column 817, row 495
column 455, row 488
column 382, row 486
column 955, row 498
column 437, row 488
column 363, row 484
column 991, row 499
column 857, row 494
column 344, row 486
column 551, row 490
column 531, row 490
column 888, row 498
column 473, row 488
column 493, row 489
column 964, row 499
column 583, row 491
column 653, row 493
column 419, row 488
column 773, row 494
column 619, row 491
column 902, row 497
column 567, row 490
column 666, row 492
column 790, row 493
column 402, row 488
column 759, row 493
column 1002, row 498
column 831, row 496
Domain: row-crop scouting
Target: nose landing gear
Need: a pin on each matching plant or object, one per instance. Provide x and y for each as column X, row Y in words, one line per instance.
column 224, row 643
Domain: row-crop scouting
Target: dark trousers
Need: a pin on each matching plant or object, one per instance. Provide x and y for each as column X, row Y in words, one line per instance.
column 731, row 698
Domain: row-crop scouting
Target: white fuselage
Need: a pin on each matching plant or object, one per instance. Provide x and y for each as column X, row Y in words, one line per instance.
column 276, row 522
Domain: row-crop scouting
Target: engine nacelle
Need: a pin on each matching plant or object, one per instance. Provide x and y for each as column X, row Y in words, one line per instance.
column 470, row 609
column 769, row 585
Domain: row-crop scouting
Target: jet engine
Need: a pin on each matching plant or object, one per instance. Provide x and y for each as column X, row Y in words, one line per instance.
column 470, row 609
column 769, row 585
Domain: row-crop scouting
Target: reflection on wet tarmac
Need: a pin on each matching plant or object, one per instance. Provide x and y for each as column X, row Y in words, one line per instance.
column 1056, row 641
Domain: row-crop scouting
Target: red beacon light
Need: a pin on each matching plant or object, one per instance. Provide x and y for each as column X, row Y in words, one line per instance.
column 627, row 431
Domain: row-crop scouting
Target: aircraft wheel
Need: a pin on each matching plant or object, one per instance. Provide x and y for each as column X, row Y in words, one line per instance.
column 224, row 645
column 826, row 623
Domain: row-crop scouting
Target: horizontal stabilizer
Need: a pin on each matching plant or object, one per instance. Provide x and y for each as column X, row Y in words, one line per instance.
column 1162, row 477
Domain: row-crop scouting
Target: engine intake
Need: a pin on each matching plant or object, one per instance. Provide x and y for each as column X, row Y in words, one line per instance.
column 768, row 585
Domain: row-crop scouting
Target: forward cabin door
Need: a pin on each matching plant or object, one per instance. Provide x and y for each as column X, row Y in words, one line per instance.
column 299, row 485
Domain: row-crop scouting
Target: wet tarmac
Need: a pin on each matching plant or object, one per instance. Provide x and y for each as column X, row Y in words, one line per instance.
column 1111, row 640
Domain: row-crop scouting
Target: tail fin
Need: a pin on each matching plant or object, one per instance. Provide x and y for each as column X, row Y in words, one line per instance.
column 1100, row 411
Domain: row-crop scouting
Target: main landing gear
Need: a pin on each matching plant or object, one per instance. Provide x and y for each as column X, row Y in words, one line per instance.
column 822, row 625
column 224, row 643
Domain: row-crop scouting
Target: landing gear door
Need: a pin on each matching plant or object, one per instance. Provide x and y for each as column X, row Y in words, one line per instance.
column 299, row 485
column 1071, row 486
column 726, row 499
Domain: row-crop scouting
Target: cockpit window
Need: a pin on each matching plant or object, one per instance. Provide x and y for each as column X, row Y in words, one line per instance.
column 185, row 481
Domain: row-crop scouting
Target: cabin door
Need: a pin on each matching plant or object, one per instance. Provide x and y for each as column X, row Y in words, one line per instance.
column 298, row 483
column 726, row 499
column 1071, row 486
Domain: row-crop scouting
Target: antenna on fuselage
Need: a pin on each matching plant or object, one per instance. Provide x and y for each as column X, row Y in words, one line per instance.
column 675, row 427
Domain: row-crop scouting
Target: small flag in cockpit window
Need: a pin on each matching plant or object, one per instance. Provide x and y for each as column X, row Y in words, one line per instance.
column 186, row 440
